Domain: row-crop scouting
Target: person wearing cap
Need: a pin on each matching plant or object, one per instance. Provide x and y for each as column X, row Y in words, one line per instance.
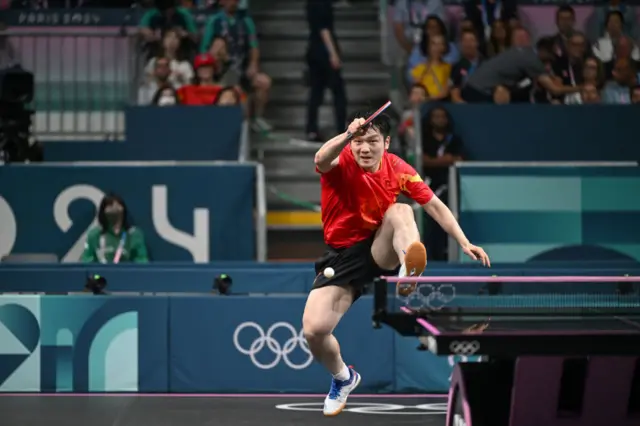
column 239, row 31
column 205, row 88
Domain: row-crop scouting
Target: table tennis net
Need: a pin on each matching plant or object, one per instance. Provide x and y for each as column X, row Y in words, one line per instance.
column 519, row 298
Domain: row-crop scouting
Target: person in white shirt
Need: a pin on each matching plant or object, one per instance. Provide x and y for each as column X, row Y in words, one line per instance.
column 181, row 70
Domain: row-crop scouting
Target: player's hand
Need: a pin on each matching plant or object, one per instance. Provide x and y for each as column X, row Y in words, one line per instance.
column 355, row 128
column 477, row 253
column 335, row 62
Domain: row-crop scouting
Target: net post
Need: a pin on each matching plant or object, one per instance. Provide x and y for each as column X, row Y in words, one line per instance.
column 379, row 301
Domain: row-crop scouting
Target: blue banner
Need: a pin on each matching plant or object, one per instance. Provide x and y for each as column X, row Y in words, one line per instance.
column 251, row 277
column 187, row 213
column 83, row 344
column 520, row 214
column 545, row 132
column 194, row 344
column 182, row 133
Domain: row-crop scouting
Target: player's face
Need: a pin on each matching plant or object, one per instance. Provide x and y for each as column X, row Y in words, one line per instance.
column 369, row 148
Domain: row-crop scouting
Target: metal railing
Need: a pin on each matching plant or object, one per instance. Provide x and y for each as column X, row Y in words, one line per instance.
column 83, row 81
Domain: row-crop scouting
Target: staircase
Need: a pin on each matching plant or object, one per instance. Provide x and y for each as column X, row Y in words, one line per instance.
column 295, row 228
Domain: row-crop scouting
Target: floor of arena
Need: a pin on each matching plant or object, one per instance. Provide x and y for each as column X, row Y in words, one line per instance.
column 213, row 410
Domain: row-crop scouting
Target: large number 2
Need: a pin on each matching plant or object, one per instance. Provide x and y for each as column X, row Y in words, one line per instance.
column 64, row 222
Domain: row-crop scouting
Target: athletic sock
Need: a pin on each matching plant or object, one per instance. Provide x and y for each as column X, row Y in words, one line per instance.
column 344, row 374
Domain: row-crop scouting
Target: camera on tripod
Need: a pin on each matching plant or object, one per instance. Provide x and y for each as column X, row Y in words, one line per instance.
column 16, row 140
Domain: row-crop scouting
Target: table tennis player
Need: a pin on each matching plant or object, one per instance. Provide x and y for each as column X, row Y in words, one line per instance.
column 368, row 234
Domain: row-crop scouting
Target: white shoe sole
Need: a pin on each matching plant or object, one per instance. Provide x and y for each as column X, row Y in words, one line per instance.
column 344, row 404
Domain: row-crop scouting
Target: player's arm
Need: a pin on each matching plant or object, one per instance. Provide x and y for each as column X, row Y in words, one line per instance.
column 327, row 156
column 416, row 189
column 443, row 215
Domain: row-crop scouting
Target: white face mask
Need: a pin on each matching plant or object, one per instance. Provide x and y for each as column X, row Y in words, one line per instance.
column 166, row 100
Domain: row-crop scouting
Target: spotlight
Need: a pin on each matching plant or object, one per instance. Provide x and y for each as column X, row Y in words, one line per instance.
column 222, row 284
column 96, row 284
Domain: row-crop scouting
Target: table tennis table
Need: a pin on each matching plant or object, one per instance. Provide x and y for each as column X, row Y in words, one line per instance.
column 546, row 359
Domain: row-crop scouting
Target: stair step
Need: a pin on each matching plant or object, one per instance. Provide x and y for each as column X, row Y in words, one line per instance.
column 295, row 244
column 306, row 190
column 343, row 28
column 294, row 219
column 298, row 114
column 358, row 92
column 347, row 34
column 284, row 147
column 365, row 13
column 289, row 68
column 297, row 48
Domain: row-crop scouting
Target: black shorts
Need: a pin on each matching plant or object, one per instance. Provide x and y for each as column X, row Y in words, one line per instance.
column 354, row 267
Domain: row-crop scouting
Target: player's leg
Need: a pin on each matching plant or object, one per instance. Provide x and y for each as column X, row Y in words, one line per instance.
column 397, row 242
column 323, row 311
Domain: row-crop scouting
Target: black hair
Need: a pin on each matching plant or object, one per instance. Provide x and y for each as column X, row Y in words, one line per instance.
column 109, row 199
column 231, row 89
column 381, row 123
column 546, row 44
column 424, row 45
column 162, row 88
column 565, row 8
column 614, row 13
column 428, row 123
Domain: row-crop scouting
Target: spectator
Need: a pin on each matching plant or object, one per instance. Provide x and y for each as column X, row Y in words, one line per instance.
column 466, row 66
column 565, row 21
column 410, row 19
column 239, row 31
column 501, row 95
column 434, row 73
column 593, row 72
column 433, row 27
column 635, row 94
column 114, row 240
column 160, row 77
column 569, row 66
column 605, row 47
column 483, row 13
column 165, row 96
column 324, row 67
column 225, row 74
column 628, row 14
column 589, row 94
column 520, row 37
column 624, row 48
column 204, row 89
column 499, row 39
column 166, row 16
column 417, row 96
column 624, row 78
column 517, row 69
column 441, row 148
column 181, row 71
column 228, row 96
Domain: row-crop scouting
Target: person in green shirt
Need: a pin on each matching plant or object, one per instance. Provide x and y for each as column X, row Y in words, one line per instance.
column 166, row 15
column 238, row 30
column 114, row 240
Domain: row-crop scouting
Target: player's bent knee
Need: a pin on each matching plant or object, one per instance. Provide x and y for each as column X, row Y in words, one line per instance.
column 400, row 210
column 315, row 331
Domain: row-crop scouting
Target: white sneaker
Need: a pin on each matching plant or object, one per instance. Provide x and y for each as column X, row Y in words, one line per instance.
column 336, row 400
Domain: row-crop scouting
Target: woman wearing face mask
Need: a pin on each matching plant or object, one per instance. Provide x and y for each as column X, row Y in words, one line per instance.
column 165, row 96
column 114, row 240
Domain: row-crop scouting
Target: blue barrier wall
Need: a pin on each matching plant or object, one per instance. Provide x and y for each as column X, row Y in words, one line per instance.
column 187, row 213
column 251, row 277
column 552, row 213
column 163, row 133
column 546, row 132
column 194, row 344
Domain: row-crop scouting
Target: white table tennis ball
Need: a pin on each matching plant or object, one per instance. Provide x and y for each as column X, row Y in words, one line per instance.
column 329, row 272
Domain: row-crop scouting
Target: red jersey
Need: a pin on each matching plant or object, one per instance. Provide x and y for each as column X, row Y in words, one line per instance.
column 198, row 95
column 354, row 201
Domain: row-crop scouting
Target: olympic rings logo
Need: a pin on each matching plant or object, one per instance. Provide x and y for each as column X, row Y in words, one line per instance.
column 281, row 352
column 429, row 296
column 374, row 408
column 465, row 347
